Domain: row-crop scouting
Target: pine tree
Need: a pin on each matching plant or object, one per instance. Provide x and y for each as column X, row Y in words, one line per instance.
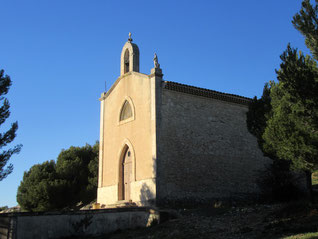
column 306, row 21
column 8, row 136
column 257, row 113
column 292, row 128
column 285, row 121
column 41, row 189
column 64, row 184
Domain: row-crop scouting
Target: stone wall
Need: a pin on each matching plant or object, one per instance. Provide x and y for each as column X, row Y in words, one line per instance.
column 205, row 151
column 6, row 227
column 74, row 223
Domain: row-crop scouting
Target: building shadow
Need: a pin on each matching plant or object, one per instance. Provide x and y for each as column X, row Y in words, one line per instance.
column 147, row 193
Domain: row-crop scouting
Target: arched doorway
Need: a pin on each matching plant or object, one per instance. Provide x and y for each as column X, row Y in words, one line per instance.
column 125, row 175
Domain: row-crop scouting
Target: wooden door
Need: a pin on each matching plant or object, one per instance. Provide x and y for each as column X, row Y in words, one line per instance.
column 127, row 175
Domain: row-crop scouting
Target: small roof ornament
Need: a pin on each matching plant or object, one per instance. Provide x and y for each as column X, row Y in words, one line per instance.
column 155, row 61
column 156, row 71
column 130, row 39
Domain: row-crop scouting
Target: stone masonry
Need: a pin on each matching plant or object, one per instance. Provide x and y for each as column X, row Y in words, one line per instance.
column 205, row 151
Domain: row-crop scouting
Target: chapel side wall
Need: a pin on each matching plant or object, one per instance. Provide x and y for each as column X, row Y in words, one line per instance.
column 205, row 151
column 137, row 133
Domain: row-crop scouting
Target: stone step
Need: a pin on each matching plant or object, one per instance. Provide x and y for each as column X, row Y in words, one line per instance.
column 122, row 203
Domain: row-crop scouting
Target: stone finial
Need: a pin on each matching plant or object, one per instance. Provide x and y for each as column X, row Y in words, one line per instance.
column 130, row 39
column 155, row 61
column 156, row 70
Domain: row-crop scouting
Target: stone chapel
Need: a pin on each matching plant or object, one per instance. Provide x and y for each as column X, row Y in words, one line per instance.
column 165, row 142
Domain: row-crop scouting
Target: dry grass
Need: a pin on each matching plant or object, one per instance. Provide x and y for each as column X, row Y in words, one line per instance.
column 281, row 221
column 310, row 235
column 315, row 178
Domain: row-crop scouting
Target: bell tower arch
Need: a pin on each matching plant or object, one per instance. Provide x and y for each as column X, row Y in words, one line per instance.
column 129, row 60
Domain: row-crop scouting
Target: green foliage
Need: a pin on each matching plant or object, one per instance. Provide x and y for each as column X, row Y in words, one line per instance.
column 291, row 131
column 285, row 122
column 306, row 21
column 41, row 189
column 285, row 119
column 54, row 186
column 3, row 208
column 76, row 166
column 8, row 136
column 276, row 182
column 258, row 109
column 93, row 170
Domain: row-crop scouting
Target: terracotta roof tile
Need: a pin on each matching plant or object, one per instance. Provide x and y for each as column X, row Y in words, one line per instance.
column 169, row 85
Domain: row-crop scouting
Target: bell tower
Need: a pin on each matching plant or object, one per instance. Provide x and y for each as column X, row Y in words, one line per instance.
column 129, row 60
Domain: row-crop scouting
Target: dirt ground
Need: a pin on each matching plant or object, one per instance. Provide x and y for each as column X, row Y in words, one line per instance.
column 256, row 221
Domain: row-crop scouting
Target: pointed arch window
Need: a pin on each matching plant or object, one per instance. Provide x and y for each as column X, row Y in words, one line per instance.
column 127, row 111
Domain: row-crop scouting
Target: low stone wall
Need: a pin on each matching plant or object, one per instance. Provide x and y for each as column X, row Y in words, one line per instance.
column 74, row 223
column 5, row 227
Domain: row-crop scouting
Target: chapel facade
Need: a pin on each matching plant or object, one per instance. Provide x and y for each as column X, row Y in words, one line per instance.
column 165, row 142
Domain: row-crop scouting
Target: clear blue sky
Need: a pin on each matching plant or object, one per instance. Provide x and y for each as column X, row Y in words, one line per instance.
column 60, row 53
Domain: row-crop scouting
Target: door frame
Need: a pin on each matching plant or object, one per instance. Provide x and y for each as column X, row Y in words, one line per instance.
column 125, row 146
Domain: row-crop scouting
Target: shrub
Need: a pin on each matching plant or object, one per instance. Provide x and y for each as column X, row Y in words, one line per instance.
column 278, row 183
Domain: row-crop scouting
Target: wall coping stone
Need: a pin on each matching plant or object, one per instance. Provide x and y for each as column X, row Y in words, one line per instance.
column 79, row 212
